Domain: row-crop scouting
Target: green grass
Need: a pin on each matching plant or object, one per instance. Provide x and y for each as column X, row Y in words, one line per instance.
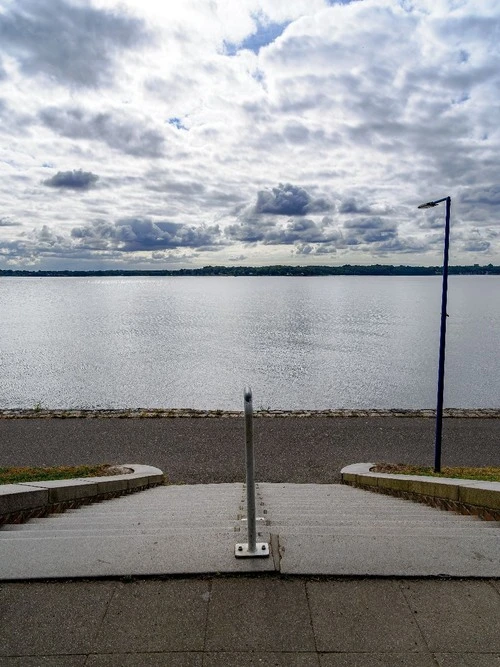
column 41, row 474
column 485, row 474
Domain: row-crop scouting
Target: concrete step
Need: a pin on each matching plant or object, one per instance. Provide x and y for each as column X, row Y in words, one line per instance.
column 238, row 513
column 315, row 529
column 179, row 532
column 290, row 522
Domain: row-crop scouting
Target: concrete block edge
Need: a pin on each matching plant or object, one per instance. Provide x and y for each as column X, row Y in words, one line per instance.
column 464, row 496
column 26, row 500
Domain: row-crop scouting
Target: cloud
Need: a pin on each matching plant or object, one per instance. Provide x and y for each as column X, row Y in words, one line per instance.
column 369, row 230
column 356, row 111
column 142, row 234
column 270, row 231
column 72, row 180
column 350, row 205
column 488, row 195
column 73, row 43
column 287, row 199
column 475, row 240
column 476, row 245
column 7, row 222
column 114, row 129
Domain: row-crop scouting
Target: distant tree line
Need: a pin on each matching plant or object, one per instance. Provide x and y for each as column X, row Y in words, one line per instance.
column 276, row 270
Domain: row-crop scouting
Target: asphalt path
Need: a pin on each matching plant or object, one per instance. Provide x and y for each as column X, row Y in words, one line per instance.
column 211, row 450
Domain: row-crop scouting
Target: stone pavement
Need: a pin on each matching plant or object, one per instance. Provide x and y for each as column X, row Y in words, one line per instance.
column 251, row 620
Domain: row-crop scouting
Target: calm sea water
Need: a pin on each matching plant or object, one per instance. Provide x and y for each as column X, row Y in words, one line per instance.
column 311, row 343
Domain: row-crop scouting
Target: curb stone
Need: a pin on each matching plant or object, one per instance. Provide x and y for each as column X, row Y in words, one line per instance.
column 175, row 413
column 465, row 496
column 29, row 500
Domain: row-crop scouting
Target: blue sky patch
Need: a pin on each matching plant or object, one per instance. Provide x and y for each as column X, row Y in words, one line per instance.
column 177, row 122
column 340, row 2
column 265, row 34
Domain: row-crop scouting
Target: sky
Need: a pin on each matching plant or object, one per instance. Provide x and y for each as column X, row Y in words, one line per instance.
column 157, row 135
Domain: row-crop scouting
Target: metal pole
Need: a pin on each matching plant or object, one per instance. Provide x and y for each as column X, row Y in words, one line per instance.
column 442, row 343
column 252, row 530
column 252, row 548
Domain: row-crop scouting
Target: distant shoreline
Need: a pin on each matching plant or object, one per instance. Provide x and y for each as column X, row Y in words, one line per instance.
column 276, row 270
column 183, row 413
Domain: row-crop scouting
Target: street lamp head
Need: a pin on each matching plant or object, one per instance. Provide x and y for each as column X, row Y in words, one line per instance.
column 431, row 204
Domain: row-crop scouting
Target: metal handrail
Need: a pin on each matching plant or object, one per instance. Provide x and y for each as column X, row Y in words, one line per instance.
column 250, row 465
column 252, row 548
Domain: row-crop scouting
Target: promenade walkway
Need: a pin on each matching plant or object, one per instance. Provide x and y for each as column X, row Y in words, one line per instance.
column 252, row 621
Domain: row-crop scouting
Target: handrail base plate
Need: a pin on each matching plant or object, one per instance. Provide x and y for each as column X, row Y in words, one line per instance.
column 241, row 550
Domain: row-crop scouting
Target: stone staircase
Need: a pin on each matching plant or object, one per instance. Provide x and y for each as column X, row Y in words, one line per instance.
column 326, row 529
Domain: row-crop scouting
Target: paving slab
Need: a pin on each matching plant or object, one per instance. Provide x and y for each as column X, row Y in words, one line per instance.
column 468, row 659
column 63, row 618
column 146, row 660
column 456, row 616
column 44, row 661
column 376, row 660
column 260, row 659
column 259, row 615
column 362, row 616
column 154, row 616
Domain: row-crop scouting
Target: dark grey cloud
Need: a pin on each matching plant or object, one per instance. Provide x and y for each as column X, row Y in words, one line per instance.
column 250, row 231
column 121, row 133
column 475, row 240
column 198, row 193
column 271, row 232
column 369, row 230
column 301, row 230
column 133, row 234
column 73, row 43
column 398, row 244
column 288, row 199
column 488, row 195
column 72, row 180
column 308, row 249
column 7, row 222
column 381, row 237
column 182, row 188
column 350, row 205
column 476, row 245
column 298, row 133
column 3, row 73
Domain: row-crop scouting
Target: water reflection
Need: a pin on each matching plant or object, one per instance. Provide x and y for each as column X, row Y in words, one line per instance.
column 321, row 342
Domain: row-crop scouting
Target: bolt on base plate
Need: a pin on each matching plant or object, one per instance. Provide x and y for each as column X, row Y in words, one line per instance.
column 261, row 550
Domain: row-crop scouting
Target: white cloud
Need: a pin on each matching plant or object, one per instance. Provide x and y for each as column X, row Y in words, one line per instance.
column 355, row 110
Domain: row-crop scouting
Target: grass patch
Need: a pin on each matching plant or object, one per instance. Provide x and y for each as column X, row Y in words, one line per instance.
column 485, row 474
column 34, row 474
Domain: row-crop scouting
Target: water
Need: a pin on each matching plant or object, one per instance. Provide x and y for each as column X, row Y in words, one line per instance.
column 300, row 343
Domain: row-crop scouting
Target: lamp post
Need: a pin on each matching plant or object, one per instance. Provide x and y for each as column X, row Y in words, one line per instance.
column 442, row 336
